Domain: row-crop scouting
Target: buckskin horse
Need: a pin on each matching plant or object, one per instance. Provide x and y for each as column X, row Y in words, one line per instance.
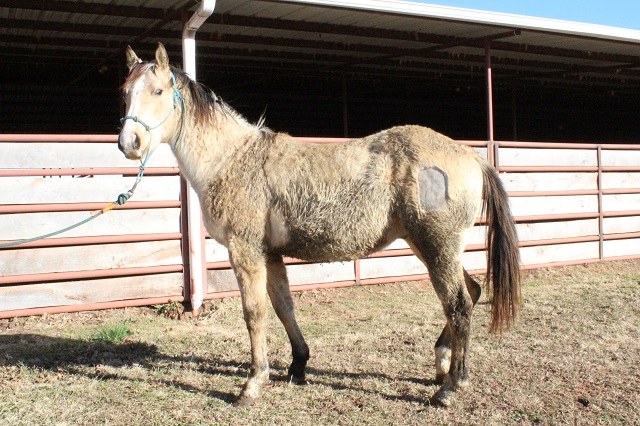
column 265, row 195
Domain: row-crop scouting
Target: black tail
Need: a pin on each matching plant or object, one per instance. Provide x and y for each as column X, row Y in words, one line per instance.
column 503, row 256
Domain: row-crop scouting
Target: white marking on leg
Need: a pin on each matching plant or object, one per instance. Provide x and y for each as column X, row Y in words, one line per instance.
column 443, row 360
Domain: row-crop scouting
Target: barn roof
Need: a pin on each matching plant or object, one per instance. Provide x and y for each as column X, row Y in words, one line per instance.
column 365, row 37
column 258, row 50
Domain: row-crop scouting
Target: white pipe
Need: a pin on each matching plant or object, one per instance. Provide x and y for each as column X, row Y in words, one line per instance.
column 194, row 216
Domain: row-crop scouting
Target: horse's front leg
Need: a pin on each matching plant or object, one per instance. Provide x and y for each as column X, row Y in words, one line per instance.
column 249, row 266
column 280, row 294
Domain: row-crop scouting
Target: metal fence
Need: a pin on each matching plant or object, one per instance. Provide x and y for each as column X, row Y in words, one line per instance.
column 573, row 203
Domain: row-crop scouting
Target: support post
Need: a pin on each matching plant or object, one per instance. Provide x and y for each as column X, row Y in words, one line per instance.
column 600, row 208
column 514, row 111
column 345, row 106
column 490, row 135
column 197, row 257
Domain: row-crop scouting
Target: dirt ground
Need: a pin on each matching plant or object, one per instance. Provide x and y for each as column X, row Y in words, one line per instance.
column 573, row 358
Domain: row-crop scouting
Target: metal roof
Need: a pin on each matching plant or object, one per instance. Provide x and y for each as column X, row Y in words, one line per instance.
column 80, row 43
column 367, row 37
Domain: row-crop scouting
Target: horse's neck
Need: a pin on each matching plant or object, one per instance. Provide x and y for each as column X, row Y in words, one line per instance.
column 206, row 148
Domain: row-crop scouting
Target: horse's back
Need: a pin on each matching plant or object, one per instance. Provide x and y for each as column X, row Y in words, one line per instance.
column 346, row 200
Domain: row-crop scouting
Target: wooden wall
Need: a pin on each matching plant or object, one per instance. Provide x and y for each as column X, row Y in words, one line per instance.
column 573, row 204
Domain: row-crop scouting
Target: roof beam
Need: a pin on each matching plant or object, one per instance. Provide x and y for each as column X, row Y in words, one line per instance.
column 315, row 27
column 332, row 60
column 366, row 53
column 291, row 25
column 92, row 8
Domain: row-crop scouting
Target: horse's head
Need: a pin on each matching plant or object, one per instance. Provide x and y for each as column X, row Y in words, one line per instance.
column 153, row 103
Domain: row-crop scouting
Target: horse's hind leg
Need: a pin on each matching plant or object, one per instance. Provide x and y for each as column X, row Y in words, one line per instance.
column 442, row 347
column 442, row 257
column 280, row 295
column 250, row 269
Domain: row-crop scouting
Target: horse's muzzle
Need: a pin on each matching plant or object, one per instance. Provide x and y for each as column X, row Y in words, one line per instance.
column 129, row 146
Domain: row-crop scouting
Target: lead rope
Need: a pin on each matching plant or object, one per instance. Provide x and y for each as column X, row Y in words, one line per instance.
column 122, row 198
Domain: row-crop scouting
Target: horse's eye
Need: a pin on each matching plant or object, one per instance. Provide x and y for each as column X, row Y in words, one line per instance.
column 158, row 91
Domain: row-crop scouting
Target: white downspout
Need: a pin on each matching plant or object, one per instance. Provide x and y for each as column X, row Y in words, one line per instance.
column 194, row 217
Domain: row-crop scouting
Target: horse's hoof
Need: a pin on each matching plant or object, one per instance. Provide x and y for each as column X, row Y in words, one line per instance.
column 442, row 398
column 440, row 379
column 296, row 380
column 244, row 401
column 462, row 384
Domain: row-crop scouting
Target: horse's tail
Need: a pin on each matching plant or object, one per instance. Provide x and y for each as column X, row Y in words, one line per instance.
column 503, row 256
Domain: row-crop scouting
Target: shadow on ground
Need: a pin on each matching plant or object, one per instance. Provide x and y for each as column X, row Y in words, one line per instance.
column 84, row 357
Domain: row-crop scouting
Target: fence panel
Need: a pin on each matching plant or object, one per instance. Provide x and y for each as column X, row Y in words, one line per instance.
column 572, row 204
column 132, row 255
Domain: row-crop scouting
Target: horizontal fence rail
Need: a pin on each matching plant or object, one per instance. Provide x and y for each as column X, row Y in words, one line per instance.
column 573, row 203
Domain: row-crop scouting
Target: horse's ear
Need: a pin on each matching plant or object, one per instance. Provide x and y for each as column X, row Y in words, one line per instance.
column 132, row 58
column 162, row 59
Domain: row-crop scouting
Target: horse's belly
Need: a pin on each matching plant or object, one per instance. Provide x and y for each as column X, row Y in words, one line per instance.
column 314, row 249
column 332, row 219
column 335, row 240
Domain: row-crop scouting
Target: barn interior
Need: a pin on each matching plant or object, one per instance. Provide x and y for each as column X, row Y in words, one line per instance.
column 325, row 68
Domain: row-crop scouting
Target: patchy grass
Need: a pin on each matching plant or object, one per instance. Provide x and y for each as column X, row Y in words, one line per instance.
column 572, row 358
column 114, row 333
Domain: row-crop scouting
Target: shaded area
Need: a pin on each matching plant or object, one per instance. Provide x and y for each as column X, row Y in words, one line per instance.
column 320, row 71
column 313, row 105
column 73, row 357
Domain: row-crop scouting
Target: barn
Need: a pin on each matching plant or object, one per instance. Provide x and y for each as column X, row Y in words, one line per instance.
column 553, row 104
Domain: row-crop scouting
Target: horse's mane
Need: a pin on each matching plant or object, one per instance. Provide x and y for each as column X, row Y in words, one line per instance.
column 204, row 102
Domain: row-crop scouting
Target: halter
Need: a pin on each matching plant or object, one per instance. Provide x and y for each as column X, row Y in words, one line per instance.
column 176, row 97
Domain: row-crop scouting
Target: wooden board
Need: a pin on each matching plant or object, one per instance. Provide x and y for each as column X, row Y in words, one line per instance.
column 92, row 291
column 620, row 225
column 84, row 258
column 559, row 253
column 533, row 206
column 549, row 181
column 116, row 222
column 411, row 265
column 476, row 235
column 616, row 180
column 391, row 267
column 550, row 230
column 215, row 252
column 547, row 157
column 74, row 155
column 615, row 248
column 620, row 158
column 314, row 273
column 481, row 151
column 475, row 260
column 98, row 189
column 620, row 202
column 398, row 244
column 220, row 280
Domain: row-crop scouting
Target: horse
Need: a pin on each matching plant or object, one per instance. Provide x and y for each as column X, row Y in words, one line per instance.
column 265, row 195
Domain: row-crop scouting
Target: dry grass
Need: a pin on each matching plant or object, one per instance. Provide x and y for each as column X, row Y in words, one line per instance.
column 573, row 358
